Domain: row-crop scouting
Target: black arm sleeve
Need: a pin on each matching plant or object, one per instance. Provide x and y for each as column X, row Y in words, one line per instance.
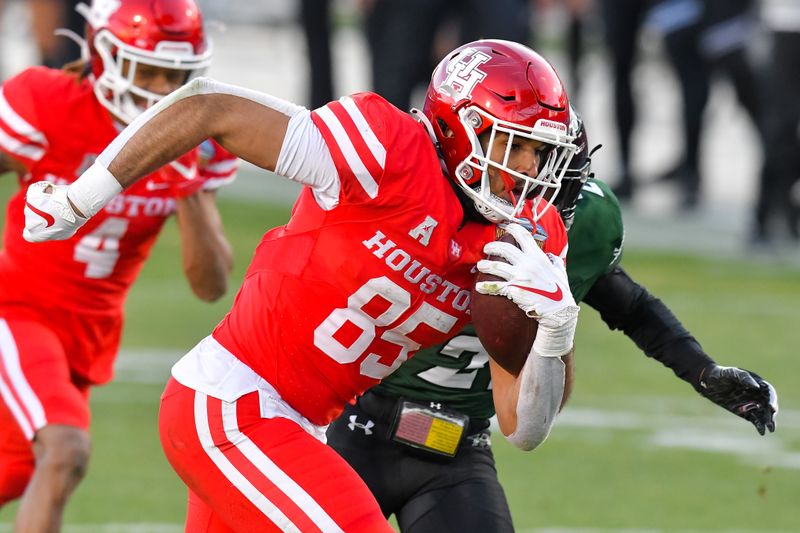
column 625, row 305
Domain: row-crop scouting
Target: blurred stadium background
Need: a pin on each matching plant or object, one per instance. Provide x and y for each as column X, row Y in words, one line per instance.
column 636, row 449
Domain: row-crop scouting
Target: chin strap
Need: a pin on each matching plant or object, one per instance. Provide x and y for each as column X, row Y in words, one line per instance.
column 420, row 117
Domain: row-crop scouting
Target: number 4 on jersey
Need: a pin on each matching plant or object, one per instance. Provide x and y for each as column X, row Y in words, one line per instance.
column 100, row 248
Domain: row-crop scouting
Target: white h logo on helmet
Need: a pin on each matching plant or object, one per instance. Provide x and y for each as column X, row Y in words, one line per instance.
column 101, row 11
column 464, row 74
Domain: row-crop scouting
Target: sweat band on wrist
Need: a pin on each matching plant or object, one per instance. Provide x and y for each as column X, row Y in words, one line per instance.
column 93, row 190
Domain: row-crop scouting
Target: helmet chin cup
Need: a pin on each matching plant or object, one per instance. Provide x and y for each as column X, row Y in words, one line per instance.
column 487, row 205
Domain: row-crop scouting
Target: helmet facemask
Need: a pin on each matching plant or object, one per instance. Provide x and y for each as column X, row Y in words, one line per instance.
column 115, row 88
column 472, row 174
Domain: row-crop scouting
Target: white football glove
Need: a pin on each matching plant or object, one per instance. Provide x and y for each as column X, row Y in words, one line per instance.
column 536, row 281
column 48, row 214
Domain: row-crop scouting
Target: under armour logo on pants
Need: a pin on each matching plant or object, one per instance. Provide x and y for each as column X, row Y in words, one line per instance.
column 366, row 427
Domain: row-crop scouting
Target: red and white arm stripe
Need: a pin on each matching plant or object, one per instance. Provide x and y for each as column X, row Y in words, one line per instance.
column 376, row 148
column 212, row 184
column 18, row 124
column 25, row 141
column 14, row 387
column 245, row 456
column 225, row 167
column 362, row 151
column 14, row 146
column 219, row 173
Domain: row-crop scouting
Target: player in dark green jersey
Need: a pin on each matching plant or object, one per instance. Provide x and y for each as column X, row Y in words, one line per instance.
column 420, row 439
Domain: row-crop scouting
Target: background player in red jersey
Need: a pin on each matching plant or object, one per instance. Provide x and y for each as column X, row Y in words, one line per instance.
column 377, row 260
column 61, row 303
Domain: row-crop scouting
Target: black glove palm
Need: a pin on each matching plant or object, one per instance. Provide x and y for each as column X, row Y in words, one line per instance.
column 741, row 392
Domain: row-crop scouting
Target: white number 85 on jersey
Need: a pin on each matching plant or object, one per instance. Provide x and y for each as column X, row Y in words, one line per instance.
column 399, row 301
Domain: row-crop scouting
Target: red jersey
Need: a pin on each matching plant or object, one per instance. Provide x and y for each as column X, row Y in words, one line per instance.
column 340, row 297
column 53, row 123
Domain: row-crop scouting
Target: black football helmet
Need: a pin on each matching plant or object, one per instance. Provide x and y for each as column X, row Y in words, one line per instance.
column 577, row 172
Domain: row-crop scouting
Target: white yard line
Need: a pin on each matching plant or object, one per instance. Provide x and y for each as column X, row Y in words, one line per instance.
column 148, row 366
column 711, row 431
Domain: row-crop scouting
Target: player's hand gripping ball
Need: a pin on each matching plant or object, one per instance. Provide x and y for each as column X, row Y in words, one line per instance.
column 505, row 331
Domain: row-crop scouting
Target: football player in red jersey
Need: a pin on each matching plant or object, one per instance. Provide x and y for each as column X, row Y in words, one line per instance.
column 61, row 304
column 377, row 260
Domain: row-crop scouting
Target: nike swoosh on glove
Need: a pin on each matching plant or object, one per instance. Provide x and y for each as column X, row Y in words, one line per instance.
column 536, row 281
column 48, row 214
column 743, row 393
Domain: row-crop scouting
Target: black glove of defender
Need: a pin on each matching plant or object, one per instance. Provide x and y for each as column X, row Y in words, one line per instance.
column 743, row 393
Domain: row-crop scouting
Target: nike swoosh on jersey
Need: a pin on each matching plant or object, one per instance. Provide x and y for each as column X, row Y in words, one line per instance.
column 555, row 295
column 187, row 172
column 46, row 216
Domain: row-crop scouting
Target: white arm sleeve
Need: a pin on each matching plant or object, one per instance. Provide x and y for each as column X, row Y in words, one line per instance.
column 540, row 395
column 305, row 158
column 542, row 378
column 195, row 87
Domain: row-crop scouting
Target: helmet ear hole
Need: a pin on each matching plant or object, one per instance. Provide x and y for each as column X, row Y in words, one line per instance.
column 446, row 130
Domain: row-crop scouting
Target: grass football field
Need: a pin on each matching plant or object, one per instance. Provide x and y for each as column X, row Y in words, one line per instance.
column 636, row 449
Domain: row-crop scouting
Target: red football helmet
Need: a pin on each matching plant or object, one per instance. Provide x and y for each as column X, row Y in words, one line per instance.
column 499, row 87
column 122, row 34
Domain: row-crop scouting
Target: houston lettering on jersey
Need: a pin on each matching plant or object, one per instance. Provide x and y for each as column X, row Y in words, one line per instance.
column 415, row 272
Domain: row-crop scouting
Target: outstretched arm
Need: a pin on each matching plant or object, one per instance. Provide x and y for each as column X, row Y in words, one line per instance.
column 249, row 124
column 625, row 305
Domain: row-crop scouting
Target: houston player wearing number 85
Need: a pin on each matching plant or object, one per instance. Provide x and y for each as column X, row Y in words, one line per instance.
column 377, row 260
column 61, row 304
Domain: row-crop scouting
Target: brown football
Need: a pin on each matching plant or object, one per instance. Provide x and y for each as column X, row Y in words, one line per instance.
column 504, row 330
